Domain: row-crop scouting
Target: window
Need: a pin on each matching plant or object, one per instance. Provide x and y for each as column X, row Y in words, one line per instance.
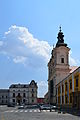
column 59, row 100
column 62, row 88
column 32, row 100
column 24, row 86
column 59, row 90
column 66, row 99
column 23, row 100
column 2, row 96
column 14, row 100
column 13, row 94
column 66, row 86
column 70, row 83
column 77, row 81
column 70, row 98
column 32, row 95
column 62, row 99
column 62, row 60
column 51, row 88
column 56, row 91
column 32, row 90
column 24, row 95
column 18, row 94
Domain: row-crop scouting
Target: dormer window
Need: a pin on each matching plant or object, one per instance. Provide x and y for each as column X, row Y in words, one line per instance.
column 62, row 60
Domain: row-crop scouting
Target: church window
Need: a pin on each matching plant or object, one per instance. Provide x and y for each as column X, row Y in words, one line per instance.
column 62, row 60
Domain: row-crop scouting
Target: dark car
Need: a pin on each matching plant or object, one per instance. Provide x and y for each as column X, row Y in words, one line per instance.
column 10, row 105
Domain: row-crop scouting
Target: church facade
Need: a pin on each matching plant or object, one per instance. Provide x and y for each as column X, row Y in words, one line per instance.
column 58, row 66
column 63, row 80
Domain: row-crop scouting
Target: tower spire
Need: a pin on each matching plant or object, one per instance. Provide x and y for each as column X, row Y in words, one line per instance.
column 60, row 38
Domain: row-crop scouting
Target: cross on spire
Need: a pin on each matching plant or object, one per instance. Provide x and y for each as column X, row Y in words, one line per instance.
column 60, row 28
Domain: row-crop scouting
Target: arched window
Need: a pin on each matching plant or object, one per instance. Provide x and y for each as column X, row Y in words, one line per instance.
column 62, row 60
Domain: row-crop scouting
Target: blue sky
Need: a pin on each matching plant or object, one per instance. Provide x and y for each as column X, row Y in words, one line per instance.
column 28, row 30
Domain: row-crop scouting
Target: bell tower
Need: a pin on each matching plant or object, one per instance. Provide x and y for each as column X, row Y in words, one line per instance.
column 58, row 66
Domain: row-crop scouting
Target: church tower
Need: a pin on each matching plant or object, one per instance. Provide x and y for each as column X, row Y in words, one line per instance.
column 58, row 66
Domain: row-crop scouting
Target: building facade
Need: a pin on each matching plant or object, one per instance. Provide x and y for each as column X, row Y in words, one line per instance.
column 58, row 66
column 4, row 96
column 68, row 91
column 21, row 94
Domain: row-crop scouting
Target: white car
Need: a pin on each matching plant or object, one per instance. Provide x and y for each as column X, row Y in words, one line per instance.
column 21, row 107
column 46, row 107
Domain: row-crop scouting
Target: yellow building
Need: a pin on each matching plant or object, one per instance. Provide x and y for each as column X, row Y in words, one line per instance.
column 68, row 90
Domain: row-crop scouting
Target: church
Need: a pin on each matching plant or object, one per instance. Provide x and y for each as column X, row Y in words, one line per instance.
column 63, row 79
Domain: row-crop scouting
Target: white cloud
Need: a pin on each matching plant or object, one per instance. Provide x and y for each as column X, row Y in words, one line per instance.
column 42, row 88
column 19, row 59
column 20, row 44
column 72, row 61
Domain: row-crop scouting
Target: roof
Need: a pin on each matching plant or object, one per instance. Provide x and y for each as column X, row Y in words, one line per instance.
column 19, row 86
column 32, row 83
column 73, row 68
column 4, row 90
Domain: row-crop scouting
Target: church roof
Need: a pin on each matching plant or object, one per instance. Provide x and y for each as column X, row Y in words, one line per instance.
column 73, row 68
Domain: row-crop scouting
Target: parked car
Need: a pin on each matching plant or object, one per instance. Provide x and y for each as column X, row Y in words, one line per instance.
column 10, row 105
column 31, row 107
column 21, row 107
column 45, row 107
column 54, row 107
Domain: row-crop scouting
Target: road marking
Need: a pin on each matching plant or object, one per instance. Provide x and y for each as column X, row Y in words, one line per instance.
column 12, row 111
column 30, row 111
column 26, row 111
column 39, row 111
column 6, row 111
column 21, row 110
column 35, row 110
column 16, row 110
column 44, row 110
